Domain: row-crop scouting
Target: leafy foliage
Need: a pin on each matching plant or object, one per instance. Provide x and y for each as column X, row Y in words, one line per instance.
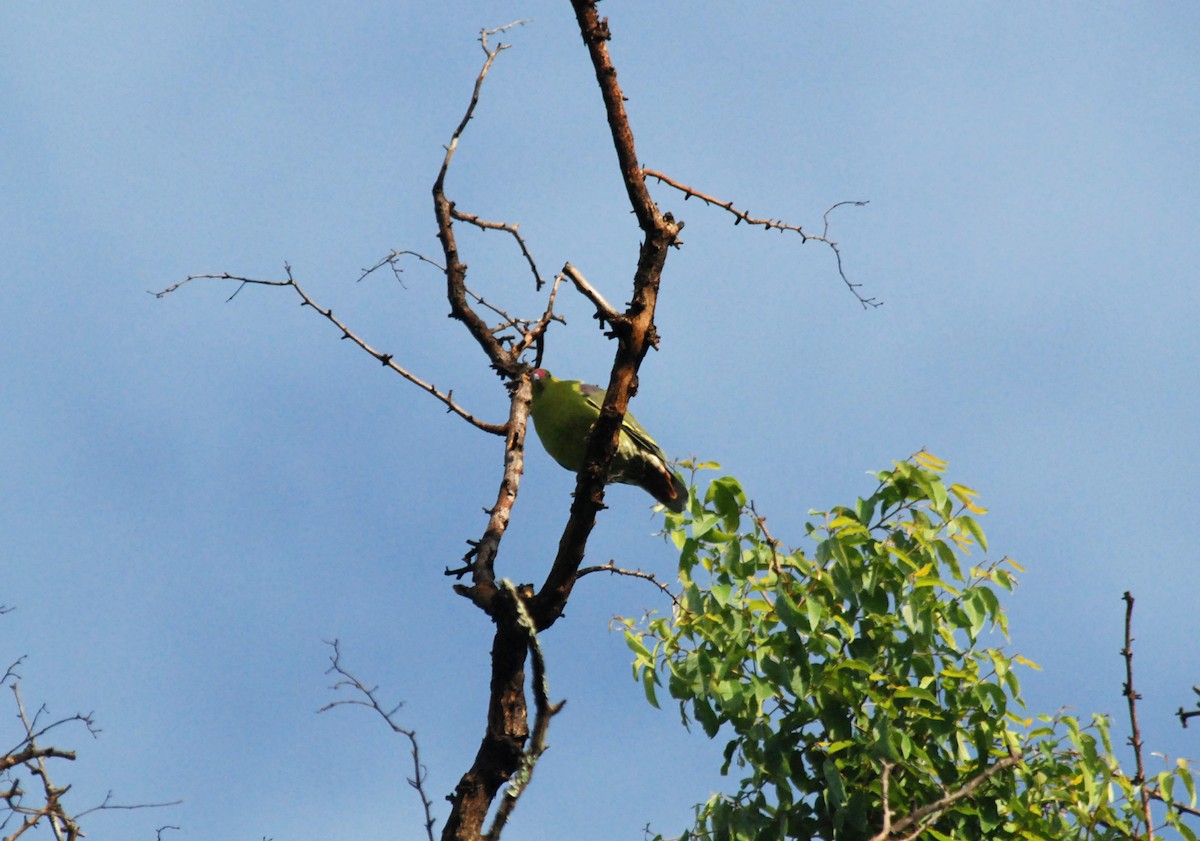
column 862, row 684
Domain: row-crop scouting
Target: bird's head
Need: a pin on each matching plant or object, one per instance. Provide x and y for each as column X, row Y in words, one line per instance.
column 539, row 376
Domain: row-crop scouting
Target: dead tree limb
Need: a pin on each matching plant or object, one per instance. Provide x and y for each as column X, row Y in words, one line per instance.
column 769, row 224
column 634, row 329
column 367, row 698
column 1135, row 733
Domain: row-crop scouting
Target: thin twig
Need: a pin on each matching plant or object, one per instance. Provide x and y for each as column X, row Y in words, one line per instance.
column 501, row 359
column 740, row 215
column 527, row 327
column 533, row 337
column 108, row 806
column 605, row 312
column 613, row 569
column 917, row 815
column 509, row 227
column 393, row 260
column 1155, row 794
column 1135, row 737
column 370, row 701
column 774, row 224
column 385, row 358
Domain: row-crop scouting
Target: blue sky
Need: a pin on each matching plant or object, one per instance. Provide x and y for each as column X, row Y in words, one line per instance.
column 197, row 493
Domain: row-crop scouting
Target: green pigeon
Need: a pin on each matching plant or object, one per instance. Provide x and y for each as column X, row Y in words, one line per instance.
column 564, row 412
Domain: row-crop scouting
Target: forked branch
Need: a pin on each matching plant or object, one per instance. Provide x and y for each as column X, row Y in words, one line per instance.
column 385, row 358
column 366, row 697
column 503, row 360
column 29, row 754
column 893, row 828
column 510, row 228
column 543, row 712
column 769, row 224
column 637, row 333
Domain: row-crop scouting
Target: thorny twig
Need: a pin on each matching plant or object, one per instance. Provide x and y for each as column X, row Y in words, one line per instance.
column 444, row 211
column 1184, row 715
column 775, row 224
column 1135, row 735
column 530, row 329
column 385, row 358
column 370, row 701
column 613, row 569
column 509, row 227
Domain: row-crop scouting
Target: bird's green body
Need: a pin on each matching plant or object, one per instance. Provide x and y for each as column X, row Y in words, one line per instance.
column 564, row 412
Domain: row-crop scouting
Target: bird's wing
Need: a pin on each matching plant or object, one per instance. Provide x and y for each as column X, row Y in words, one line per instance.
column 595, row 395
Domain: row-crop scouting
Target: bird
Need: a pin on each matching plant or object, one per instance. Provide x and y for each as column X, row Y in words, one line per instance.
column 564, row 412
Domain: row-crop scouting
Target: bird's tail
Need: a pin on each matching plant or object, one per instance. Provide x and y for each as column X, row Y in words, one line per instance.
column 667, row 488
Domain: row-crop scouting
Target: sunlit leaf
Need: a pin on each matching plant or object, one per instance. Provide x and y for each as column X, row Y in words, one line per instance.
column 930, row 461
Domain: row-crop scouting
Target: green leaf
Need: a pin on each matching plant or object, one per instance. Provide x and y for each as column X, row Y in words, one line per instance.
column 915, row 692
column 728, row 500
column 833, row 782
column 1185, row 774
column 720, row 592
column 649, row 682
column 703, row 713
column 634, row 641
column 975, row 531
column 703, row 523
column 789, row 612
column 864, row 510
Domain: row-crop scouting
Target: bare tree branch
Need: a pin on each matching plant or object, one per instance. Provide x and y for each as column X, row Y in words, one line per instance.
column 774, row 224
column 604, row 310
column 1135, row 735
column 370, row 701
column 635, row 331
column 456, row 271
column 32, row 756
column 613, row 569
column 385, row 358
column 503, row 745
column 509, row 227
